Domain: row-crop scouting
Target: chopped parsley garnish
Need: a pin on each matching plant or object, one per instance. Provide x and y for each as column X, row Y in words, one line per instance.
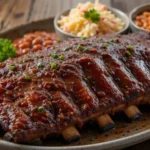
column 54, row 55
column 86, row 50
column 40, row 65
column 53, row 65
column 111, row 40
column 59, row 41
column 20, row 60
column 27, row 77
column 83, row 38
column 12, row 67
column 105, row 44
column 79, row 47
column 93, row 15
column 6, row 49
column 61, row 57
column 128, row 53
column 130, row 47
column 37, row 56
column 41, row 109
column 65, row 49
column 131, row 76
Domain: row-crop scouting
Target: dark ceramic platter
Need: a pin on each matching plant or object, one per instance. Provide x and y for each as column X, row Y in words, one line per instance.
column 125, row 134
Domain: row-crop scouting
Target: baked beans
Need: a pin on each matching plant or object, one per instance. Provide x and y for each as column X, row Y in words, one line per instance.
column 34, row 42
column 143, row 20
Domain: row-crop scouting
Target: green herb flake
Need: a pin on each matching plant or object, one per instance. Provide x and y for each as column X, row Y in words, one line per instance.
column 128, row 53
column 40, row 65
column 79, row 47
column 20, row 60
column 105, row 44
column 54, row 55
column 7, row 49
column 83, row 38
column 93, row 15
column 12, row 67
column 41, row 109
column 65, row 49
column 111, row 40
column 27, row 77
column 37, row 56
column 131, row 76
column 130, row 47
column 61, row 57
column 86, row 50
column 59, row 41
column 53, row 65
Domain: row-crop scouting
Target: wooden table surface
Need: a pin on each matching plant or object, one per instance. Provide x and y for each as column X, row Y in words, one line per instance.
column 16, row 12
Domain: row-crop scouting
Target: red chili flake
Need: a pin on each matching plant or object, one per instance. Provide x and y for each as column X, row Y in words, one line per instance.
column 93, row 50
column 83, row 44
column 20, row 95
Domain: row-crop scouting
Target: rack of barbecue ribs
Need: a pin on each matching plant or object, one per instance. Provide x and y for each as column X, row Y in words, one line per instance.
column 57, row 90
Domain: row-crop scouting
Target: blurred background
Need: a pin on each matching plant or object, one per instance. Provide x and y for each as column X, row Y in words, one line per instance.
column 17, row 12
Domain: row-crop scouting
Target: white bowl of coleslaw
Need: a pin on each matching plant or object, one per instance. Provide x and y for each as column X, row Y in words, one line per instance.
column 90, row 19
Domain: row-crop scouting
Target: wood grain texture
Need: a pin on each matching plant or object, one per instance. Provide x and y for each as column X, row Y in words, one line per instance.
column 16, row 12
column 128, row 5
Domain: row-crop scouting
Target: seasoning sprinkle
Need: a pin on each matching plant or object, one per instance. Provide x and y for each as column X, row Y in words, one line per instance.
column 53, row 65
column 37, row 56
column 79, row 47
column 105, row 44
column 83, row 38
column 131, row 47
column 61, row 57
column 86, row 50
column 59, row 41
column 54, row 55
column 128, row 53
column 12, row 67
column 131, row 76
column 65, row 49
column 40, row 65
column 41, row 109
column 20, row 60
column 111, row 40
column 27, row 77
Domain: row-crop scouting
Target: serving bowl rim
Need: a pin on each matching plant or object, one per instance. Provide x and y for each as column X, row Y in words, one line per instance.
column 115, row 10
column 142, row 136
column 131, row 16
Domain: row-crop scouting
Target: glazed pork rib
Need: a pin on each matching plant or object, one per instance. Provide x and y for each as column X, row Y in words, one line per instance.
column 51, row 91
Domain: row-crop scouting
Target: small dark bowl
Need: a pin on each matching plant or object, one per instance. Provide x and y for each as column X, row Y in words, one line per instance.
column 64, row 35
column 136, row 12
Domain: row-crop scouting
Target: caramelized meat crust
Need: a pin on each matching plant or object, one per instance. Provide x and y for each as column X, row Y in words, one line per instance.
column 72, row 82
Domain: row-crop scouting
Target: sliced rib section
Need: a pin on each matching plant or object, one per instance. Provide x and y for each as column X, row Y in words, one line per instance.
column 131, row 88
column 102, row 84
column 82, row 94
